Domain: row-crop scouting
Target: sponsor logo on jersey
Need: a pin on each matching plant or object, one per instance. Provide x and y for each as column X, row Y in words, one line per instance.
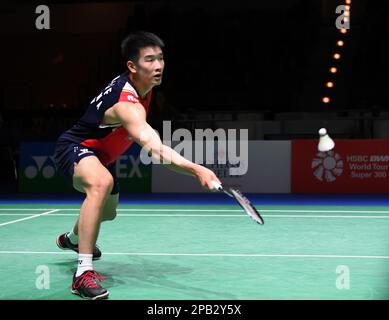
column 131, row 98
column 84, row 151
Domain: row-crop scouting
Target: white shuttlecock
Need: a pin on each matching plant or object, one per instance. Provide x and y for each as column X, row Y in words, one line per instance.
column 325, row 142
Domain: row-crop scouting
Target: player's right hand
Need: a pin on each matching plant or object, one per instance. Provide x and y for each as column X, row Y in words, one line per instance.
column 205, row 177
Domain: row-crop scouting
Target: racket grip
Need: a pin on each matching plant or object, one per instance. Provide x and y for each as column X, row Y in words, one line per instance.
column 216, row 185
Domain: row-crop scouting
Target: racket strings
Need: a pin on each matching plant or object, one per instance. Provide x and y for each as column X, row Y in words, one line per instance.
column 247, row 205
column 241, row 196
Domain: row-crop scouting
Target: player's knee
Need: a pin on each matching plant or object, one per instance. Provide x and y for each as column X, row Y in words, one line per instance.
column 105, row 184
column 102, row 185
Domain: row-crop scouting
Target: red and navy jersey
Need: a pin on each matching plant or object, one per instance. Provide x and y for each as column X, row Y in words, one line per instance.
column 108, row 141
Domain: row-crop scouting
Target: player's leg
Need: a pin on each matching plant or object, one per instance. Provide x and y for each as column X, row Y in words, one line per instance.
column 91, row 177
column 108, row 212
column 69, row 240
column 66, row 156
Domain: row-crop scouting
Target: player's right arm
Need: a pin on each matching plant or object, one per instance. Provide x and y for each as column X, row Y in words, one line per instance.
column 133, row 118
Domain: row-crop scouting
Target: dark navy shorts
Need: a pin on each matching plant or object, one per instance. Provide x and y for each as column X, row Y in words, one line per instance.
column 66, row 154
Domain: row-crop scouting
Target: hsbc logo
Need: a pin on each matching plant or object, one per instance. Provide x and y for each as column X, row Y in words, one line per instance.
column 327, row 166
column 42, row 164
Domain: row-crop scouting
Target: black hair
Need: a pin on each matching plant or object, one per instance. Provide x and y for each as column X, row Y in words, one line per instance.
column 134, row 42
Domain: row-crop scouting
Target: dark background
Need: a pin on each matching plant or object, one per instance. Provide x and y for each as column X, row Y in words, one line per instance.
column 268, row 60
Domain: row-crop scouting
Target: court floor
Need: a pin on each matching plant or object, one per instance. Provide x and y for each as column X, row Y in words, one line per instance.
column 203, row 252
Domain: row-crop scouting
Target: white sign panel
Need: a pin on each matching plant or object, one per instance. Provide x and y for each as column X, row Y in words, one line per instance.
column 268, row 171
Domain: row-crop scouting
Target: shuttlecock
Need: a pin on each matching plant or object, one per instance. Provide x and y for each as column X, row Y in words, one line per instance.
column 325, row 142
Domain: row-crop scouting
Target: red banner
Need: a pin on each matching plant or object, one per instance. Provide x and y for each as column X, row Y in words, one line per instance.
column 353, row 166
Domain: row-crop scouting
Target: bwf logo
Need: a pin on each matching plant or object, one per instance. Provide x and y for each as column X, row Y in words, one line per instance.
column 41, row 166
column 327, row 166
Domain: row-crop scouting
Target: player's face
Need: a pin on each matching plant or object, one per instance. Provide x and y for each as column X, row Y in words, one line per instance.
column 150, row 66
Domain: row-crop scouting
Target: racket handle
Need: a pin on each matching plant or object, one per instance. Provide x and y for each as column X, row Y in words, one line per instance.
column 217, row 185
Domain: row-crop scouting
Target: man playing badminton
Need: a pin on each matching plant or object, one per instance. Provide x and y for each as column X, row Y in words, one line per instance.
column 86, row 153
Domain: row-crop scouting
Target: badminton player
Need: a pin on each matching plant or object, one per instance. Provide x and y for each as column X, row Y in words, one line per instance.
column 86, row 153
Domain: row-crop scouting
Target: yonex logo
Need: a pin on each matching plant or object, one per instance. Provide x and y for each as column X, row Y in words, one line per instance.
column 84, row 151
column 81, row 150
column 327, row 166
column 48, row 170
column 134, row 164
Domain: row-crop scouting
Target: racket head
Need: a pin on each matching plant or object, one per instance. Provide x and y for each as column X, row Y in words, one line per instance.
column 246, row 205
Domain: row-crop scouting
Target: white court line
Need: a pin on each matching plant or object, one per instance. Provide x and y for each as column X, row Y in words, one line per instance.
column 244, row 216
column 221, row 216
column 27, row 218
column 214, row 210
column 249, row 255
column 144, row 215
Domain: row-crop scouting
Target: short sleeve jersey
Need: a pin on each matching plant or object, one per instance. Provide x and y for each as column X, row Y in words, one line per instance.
column 108, row 141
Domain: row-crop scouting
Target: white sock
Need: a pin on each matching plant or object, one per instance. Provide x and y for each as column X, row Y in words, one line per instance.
column 84, row 263
column 73, row 237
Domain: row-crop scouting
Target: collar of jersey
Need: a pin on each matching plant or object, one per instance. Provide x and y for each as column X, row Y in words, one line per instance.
column 133, row 85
